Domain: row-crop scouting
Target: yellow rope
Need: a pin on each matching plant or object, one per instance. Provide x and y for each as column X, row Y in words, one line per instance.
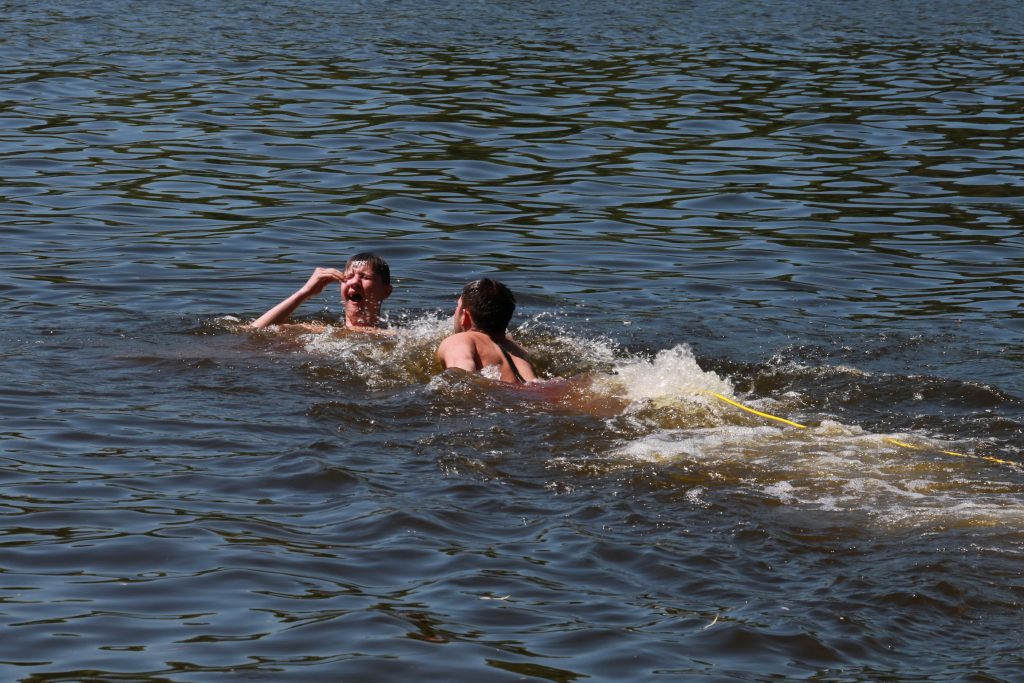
column 903, row 444
column 758, row 412
column 984, row 457
column 989, row 458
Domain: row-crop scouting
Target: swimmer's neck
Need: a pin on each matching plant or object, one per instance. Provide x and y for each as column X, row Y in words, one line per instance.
column 379, row 329
column 363, row 322
column 497, row 338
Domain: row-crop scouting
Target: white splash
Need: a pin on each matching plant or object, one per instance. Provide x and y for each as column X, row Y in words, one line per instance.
column 397, row 357
column 836, row 468
column 671, row 374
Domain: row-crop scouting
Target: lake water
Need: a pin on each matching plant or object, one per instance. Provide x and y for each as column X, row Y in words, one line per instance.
column 813, row 209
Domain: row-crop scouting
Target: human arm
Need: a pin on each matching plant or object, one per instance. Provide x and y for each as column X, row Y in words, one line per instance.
column 320, row 278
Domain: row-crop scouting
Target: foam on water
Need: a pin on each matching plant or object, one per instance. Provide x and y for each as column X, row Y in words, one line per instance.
column 671, row 374
column 408, row 353
column 830, row 466
column 403, row 358
column 664, row 412
column 838, row 468
column 559, row 351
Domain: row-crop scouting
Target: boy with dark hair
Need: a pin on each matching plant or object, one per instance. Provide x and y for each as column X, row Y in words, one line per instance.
column 480, row 343
column 365, row 283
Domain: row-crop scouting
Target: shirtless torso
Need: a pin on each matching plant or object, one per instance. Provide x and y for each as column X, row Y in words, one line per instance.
column 475, row 351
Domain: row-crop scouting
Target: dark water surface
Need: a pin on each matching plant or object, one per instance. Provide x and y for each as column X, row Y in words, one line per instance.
column 814, row 209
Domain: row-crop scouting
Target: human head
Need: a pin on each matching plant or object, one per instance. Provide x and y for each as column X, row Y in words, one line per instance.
column 379, row 265
column 365, row 284
column 489, row 303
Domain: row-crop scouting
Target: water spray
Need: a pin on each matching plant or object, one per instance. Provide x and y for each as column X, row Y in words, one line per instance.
column 889, row 440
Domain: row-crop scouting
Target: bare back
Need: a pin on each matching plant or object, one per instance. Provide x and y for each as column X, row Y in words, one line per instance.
column 474, row 351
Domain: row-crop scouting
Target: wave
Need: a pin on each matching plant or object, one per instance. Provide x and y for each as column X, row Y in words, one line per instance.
column 664, row 408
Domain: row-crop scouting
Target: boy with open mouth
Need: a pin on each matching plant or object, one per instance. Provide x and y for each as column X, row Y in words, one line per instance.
column 365, row 284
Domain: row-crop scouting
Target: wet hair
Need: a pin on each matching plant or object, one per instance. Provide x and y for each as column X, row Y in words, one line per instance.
column 490, row 303
column 379, row 265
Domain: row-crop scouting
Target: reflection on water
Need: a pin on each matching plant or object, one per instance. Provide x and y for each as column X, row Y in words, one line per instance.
column 810, row 209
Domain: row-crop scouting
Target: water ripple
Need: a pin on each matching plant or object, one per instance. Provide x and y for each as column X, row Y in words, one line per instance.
column 814, row 208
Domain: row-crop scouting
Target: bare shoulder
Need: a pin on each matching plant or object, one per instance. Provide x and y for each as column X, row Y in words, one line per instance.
column 457, row 340
column 459, row 351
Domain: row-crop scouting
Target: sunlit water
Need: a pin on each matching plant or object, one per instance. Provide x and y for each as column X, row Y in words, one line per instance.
column 811, row 210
